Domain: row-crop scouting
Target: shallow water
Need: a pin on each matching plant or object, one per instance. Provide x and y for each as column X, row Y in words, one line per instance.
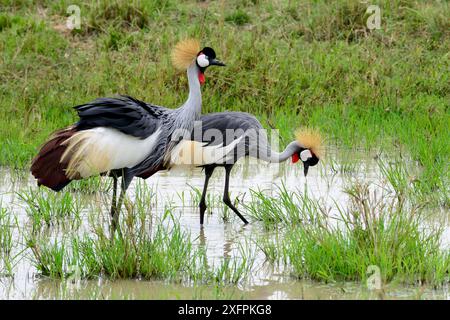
column 222, row 239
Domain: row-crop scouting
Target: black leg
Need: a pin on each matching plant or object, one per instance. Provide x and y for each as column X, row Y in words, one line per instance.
column 208, row 172
column 114, row 196
column 226, row 195
column 126, row 180
column 115, row 218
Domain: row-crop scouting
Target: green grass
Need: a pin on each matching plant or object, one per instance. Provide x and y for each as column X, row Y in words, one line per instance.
column 238, row 17
column 289, row 207
column 47, row 208
column 6, row 243
column 289, row 63
column 91, row 185
column 146, row 248
column 167, row 255
column 164, row 256
column 376, row 229
column 310, row 63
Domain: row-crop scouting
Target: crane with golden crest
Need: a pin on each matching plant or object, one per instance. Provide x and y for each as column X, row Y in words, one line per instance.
column 221, row 139
column 123, row 136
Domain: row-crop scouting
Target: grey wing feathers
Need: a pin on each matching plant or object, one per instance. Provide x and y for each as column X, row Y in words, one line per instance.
column 224, row 128
column 239, row 122
column 124, row 113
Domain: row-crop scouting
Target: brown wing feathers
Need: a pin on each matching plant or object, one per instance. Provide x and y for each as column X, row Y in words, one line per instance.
column 46, row 166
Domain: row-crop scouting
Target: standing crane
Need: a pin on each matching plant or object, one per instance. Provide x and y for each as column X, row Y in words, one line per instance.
column 220, row 139
column 122, row 136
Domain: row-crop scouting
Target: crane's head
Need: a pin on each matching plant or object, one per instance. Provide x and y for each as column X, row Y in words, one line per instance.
column 310, row 147
column 205, row 58
column 187, row 53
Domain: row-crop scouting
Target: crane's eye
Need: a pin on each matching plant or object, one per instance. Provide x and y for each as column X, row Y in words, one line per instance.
column 305, row 155
column 202, row 60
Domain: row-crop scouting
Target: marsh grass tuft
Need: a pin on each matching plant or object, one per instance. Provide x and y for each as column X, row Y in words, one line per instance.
column 145, row 249
column 45, row 207
column 91, row 185
column 6, row 243
column 383, row 230
column 287, row 208
column 133, row 255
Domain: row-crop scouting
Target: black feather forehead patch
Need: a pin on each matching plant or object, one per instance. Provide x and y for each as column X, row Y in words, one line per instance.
column 209, row 52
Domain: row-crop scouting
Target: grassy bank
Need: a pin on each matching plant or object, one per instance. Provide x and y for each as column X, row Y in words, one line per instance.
column 289, row 63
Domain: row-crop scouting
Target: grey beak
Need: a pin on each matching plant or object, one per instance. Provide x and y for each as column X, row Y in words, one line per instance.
column 215, row 62
column 305, row 168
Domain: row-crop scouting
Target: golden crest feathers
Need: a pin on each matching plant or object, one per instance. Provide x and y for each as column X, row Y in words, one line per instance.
column 184, row 53
column 310, row 139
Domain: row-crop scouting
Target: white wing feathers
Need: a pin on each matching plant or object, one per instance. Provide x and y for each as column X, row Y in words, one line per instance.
column 194, row 153
column 93, row 151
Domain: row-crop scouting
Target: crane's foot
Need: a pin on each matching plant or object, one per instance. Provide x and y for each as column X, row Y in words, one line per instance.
column 227, row 201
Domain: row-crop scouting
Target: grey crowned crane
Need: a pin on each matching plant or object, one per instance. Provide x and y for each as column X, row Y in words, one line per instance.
column 122, row 136
column 226, row 137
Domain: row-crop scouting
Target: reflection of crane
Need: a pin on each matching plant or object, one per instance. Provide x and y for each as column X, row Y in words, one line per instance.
column 123, row 136
column 214, row 148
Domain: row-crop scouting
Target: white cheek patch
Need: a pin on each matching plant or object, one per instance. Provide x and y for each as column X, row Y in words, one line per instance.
column 202, row 61
column 305, row 155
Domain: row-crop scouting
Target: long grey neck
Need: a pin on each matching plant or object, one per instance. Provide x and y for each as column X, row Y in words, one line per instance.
column 277, row 157
column 192, row 108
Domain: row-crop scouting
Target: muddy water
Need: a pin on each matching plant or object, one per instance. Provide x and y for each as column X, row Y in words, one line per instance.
column 222, row 239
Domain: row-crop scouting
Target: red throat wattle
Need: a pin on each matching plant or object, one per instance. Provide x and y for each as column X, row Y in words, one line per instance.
column 295, row 157
column 201, row 77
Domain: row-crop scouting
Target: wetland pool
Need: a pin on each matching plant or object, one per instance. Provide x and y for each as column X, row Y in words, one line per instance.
column 223, row 236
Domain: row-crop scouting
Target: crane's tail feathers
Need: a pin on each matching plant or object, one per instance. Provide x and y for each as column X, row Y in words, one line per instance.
column 83, row 156
column 310, row 139
column 47, row 166
column 185, row 53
